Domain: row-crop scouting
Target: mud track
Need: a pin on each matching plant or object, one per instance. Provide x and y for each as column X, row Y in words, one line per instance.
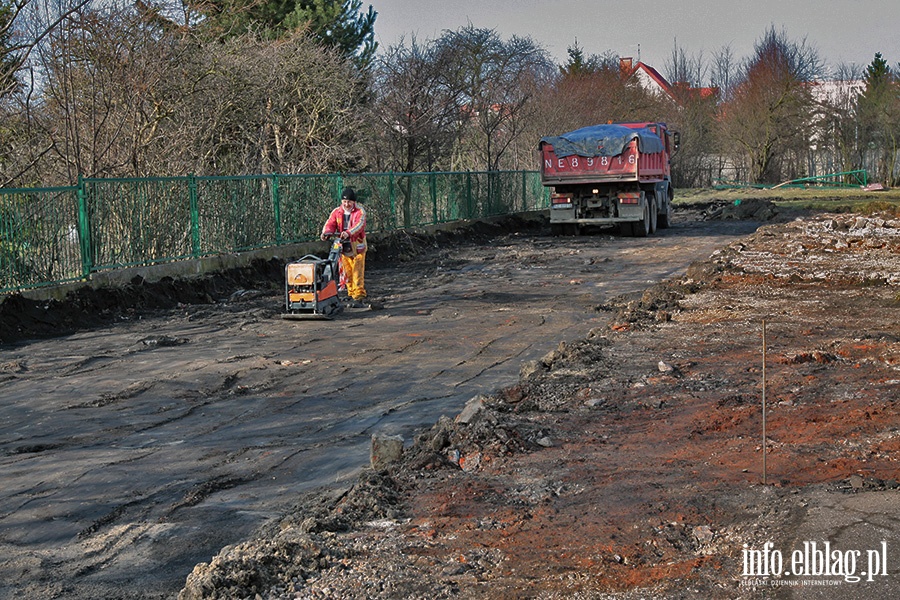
column 174, row 419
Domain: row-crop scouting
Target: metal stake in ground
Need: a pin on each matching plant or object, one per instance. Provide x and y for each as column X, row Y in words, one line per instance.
column 764, row 400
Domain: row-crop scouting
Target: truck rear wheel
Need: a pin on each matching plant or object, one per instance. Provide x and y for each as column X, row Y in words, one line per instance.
column 663, row 219
column 560, row 229
column 642, row 228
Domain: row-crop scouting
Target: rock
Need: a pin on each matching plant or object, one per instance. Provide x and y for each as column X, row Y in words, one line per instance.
column 856, row 482
column 472, row 409
column 513, row 394
column 545, row 441
column 860, row 223
column 385, row 450
column 532, row 368
column 470, row 462
column 455, row 569
column 703, row 534
column 713, row 213
column 440, row 441
column 665, row 367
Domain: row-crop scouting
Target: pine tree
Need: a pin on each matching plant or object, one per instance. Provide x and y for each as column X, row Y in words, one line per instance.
column 339, row 24
column 336, row 23
column 879, row 117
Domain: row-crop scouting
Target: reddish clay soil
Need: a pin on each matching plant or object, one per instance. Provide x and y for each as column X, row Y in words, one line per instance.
column 630, row 464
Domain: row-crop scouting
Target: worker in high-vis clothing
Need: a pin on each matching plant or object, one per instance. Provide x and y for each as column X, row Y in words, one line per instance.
column 349, row 222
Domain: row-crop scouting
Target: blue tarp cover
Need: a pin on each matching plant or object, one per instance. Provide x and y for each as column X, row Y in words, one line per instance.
column 603, row 140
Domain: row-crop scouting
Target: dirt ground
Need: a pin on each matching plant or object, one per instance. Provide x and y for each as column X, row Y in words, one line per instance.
column 624, row 463
column 629, row 464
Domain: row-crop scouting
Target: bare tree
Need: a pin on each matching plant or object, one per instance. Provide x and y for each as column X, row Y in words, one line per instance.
column 289, row 106
column 598, row 91
column 693, row 115
column 684, row 70
column 124, row 94
column 766, row 124
column 497, row 81
column 103, row 102
column 724, row 72
column 835, row 126
column 24, row 24
column 418, row 113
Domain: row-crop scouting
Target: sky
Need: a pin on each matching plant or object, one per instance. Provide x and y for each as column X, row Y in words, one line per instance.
column 848, row 31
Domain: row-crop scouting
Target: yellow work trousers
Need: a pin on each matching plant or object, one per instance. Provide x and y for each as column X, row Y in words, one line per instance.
column 355, row 271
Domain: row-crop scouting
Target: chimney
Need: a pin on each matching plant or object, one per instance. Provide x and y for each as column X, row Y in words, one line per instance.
column 626, row 65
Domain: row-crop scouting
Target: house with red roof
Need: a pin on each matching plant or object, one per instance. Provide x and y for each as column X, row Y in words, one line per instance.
column 652, row 80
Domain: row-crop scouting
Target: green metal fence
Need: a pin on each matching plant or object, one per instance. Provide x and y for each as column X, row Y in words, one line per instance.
column 56, row 235
column 844, row 179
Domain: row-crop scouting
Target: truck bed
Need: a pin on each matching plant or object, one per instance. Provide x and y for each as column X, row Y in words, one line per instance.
column 603, row 153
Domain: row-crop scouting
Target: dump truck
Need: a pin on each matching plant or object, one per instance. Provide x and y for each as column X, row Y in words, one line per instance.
column 610, row 174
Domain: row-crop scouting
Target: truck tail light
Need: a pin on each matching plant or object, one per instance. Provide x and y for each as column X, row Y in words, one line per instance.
column 629, row 197
column 561, row 201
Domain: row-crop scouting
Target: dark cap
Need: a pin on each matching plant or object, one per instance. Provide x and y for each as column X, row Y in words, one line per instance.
column 348, row 194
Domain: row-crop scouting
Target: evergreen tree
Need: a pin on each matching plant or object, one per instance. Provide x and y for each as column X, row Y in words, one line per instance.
column 876, row 95
column 339, row 24
column 577, row 63
column 878, row 71
column 580, row 63
column 336, row 23
column 879, row 118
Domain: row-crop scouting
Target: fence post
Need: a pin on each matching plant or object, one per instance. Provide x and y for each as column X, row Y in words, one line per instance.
column 470, row 209
column 434, row 204
column 392, row 201
column 276, row 206
column 524, row 191
column 84, row 230
column 491, row 194
column 195, row 216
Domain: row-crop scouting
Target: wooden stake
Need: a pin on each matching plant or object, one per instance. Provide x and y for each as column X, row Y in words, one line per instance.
column 764, row 401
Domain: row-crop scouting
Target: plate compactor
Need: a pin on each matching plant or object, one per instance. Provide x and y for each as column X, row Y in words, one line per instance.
column 311, row 286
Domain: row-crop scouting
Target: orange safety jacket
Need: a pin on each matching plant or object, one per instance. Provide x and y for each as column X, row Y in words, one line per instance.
column 356, row 226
